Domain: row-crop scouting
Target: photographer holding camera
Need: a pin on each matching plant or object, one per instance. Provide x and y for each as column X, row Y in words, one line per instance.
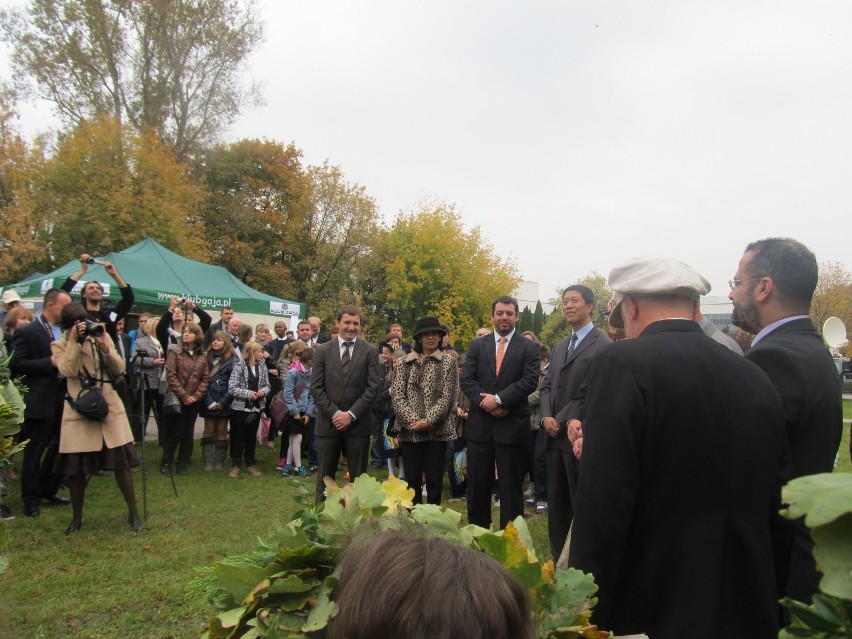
column 92, row 295
column 86, row 356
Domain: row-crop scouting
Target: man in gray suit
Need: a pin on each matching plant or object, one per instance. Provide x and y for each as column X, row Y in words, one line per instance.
column 344, row 382
column 561, row 405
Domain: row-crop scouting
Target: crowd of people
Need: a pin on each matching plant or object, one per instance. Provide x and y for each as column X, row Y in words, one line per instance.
column 655, row 447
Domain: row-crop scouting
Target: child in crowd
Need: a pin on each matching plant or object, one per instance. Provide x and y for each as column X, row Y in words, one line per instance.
column 300, row 406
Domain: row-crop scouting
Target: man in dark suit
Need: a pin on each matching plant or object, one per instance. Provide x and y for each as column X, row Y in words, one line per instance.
column 344, row 382
column 682, row 470
column 501, row 370
column 277, row 344
column 33, row 359
column 561, row 404
column 772, row 293
column 225, row 316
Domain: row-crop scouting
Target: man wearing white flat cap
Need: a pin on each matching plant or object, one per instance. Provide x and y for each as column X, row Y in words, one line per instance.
column 682, row 470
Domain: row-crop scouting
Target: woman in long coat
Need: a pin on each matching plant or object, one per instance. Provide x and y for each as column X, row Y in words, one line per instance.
column 424, row 399
column 86, row 446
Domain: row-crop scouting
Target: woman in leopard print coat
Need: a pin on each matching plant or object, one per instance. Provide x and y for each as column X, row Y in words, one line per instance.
column 423, row 394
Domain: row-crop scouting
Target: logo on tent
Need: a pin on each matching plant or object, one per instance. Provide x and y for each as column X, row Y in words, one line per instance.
column 282, row 308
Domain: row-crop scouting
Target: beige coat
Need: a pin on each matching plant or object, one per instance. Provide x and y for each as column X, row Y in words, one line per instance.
column 81, row 435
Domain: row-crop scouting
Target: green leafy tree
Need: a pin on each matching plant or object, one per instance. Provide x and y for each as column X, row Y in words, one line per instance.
column 428, row 263
column 109, row 186
column 526, row 321
column 538, row 318
column 255, row 201
column 556, row 328
column 172, row 65
column 335, row 242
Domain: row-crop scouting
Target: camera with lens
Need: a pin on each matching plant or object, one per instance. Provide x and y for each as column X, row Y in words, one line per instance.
column 93, row 329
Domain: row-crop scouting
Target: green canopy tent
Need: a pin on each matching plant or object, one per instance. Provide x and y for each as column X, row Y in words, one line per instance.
column 156, row 274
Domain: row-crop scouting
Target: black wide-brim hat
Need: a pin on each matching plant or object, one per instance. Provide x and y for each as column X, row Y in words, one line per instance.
column 429, row 324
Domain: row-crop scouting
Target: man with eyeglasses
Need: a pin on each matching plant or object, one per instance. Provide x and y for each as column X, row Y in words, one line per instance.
column 772, row 292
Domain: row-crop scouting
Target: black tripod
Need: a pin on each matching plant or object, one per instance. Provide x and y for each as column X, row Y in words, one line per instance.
column 142, row 389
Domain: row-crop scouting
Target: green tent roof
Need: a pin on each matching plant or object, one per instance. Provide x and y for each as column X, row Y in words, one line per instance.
column 155, row 273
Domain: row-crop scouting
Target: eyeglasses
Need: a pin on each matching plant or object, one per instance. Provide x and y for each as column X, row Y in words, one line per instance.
column 734, row 283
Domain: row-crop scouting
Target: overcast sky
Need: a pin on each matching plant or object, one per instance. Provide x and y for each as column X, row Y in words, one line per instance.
column 576, row 134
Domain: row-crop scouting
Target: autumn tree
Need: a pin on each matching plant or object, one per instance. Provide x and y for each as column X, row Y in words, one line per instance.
column 23, row 248
column 173, row 65
column 334, row 242
column 556, row 328
column 287, row 230
column 833, row 295
column 428, row 263
column 257, row 192
column 107, row 187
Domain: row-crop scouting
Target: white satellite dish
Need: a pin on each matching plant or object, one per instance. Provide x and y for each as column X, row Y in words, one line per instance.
column 834, row 332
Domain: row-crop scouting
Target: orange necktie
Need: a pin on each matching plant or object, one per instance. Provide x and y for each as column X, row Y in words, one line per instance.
column 501, row 350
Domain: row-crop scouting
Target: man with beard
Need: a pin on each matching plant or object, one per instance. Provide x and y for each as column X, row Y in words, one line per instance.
column 501, row 370
column 92, row 295
column 772, row 292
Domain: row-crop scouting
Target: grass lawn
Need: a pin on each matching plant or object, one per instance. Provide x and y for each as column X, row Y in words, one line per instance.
column 106, row 581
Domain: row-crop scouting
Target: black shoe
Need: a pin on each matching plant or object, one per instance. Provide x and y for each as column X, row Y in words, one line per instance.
column 57, row 500
column 6, row 513
column 164, row 469
column 32, row 511
column 135, row 523
column 73, row 527
column 182, row 469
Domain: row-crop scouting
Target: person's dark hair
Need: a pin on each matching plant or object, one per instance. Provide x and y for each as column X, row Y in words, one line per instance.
column 72, row 313
column 227, row 349
column 587, row 293
column 51, row 295
column 790, row 264
column 543, row 351
column 302, row 322
column 307, row 355
column 385, row 345
column 505, row 299
column 349, row 309
column 404, row 584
